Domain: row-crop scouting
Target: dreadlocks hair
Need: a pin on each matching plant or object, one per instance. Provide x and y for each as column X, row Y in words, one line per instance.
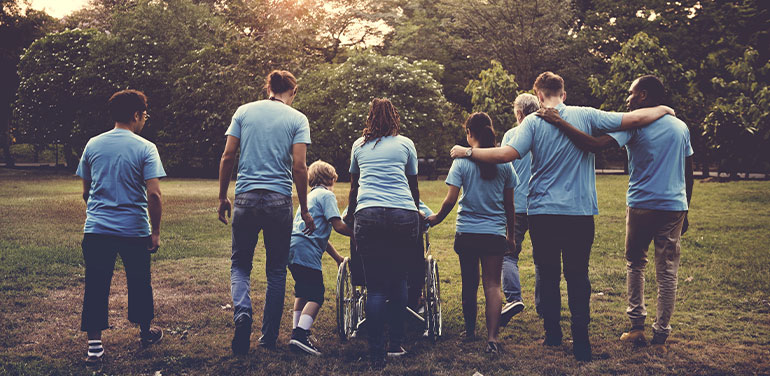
column 479, row 124
column 383, row 121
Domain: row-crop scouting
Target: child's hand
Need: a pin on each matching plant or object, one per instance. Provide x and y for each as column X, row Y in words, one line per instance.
column 433, row 220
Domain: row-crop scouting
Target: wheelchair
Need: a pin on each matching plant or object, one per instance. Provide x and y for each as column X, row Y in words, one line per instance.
column 351, row 296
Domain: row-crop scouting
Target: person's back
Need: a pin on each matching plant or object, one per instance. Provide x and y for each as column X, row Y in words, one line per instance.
column 481, row 209
column 656, row 162
column 323, row 207
column 267, row 129
column 384, row 165
column 119, row 162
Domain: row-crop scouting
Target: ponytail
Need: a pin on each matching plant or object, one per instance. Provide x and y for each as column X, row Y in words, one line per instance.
column 479, row 124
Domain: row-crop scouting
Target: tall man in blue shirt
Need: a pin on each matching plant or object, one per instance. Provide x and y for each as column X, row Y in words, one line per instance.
column 659, row 191
column 562, row 201
column 121, row 175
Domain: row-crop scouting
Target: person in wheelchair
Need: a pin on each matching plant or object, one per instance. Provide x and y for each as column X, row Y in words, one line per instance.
column 306, row 251
column 485, row 224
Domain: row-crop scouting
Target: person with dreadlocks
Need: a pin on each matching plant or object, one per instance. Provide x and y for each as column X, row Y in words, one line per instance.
column 485, row 225
column 383, row 206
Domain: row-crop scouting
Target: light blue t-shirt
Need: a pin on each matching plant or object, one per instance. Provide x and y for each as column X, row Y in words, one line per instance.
column 523, row 168
column 384, row 166
column 117, row 163
column 563, row 178
column 307, row 250
column 481, row 209
column 267, row 130
column 656, row 156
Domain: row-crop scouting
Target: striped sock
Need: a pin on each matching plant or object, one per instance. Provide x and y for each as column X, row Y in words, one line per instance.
column 95, row 348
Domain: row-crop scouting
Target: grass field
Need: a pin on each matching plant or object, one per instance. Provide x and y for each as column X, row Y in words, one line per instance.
column 721, row 323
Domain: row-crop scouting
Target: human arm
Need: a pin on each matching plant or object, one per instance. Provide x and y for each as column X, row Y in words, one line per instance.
column 581, row 139
column 689, row 183
column 449, row 203
column 299, row 172
column 510, row 217
column 340, row 226
column 352, row 198
column 502, row 154
column 155, row 209
column 86, row 189
column 225, row 170
column 412, row 180
column 333, row 253
column 643, row 116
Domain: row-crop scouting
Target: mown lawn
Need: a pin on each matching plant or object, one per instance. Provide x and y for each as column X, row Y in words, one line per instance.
column 721, row 324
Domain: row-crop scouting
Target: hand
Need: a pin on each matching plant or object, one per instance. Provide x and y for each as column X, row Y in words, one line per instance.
column 511, row 242
column 224, row 207
column 340, row 260
column 433, row 220
column 669, row 110
column 309, row 224
column 550, row 115
column 458, row 151
column 685, row 225
column 154, row 243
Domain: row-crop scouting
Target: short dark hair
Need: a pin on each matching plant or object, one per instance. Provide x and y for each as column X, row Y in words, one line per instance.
column 125, row 103
column 656, row 92
column 549, row 83
column 280, row 81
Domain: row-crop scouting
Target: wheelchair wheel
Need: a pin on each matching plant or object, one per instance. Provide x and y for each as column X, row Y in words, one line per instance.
column 433, row 300
column 347, row 302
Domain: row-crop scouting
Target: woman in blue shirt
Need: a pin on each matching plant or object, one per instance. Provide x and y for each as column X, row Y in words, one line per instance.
column 485, row 223
column 383, row 206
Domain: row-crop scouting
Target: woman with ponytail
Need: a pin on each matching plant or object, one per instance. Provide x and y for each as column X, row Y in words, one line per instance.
column 273, row 139
column 383, row 207
column 485, row 222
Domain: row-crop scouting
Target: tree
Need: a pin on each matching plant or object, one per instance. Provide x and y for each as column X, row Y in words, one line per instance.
column 18, row 29
column 336, row 99
column 494, row 93
column 49, row 105
column 737, row 126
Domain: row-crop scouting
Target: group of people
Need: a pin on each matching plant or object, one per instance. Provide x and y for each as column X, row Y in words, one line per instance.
column 548, row 190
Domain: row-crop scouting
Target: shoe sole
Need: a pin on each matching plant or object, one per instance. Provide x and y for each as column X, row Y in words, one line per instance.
column 506, row 316
column 150, row 343
column 294, row 344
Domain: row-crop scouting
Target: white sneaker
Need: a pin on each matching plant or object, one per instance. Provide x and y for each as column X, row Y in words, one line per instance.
column 509, row 310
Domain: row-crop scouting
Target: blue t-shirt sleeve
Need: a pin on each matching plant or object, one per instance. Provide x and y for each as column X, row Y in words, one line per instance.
column 455, row 175
column 512, row 179
column 235, row 125
column 153, row 167
column 302, row 134
column 522, row 140
column 425, row 209
column 353, row 161
column 84, row 169
column 330, row 208
column 603, row 121
column 411, row 162
column 688, row 146
column 622, row 137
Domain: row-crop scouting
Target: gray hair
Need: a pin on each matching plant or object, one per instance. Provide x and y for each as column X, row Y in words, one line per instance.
column 526, row 103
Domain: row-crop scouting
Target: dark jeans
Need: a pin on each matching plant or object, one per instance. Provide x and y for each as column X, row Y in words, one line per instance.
column 99, row 253
column 568, row 238
column 270, row 212
column 384, row 239
column 511, row 281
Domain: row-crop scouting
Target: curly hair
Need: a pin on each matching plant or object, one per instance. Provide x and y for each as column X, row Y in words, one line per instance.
column 383, row 121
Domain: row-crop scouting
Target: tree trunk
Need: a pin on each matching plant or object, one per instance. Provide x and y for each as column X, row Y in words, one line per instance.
column 70, row 158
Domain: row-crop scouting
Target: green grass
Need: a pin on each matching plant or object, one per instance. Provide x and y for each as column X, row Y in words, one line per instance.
column 721, row 323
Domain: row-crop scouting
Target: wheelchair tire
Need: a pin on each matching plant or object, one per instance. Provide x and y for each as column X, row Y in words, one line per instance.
column 347, row 317
column 433, row 300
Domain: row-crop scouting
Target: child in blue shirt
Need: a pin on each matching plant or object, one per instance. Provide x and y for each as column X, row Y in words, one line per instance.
column 306, row 251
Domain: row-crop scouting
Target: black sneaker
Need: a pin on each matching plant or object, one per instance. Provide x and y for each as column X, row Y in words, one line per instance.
column 509, row 310
column 94, row 361
column 659, row 339
column 396, row 352
column 492, row 348
column 241, row 341
column 300, row 342
column 153, row 336
column 264, row 343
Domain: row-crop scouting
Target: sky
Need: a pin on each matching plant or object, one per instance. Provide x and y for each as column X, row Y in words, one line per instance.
column 58, row 8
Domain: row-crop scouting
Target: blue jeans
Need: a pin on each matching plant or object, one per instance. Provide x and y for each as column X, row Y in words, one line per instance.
column 270, row 212
column 511, row 281
column 384, row 238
